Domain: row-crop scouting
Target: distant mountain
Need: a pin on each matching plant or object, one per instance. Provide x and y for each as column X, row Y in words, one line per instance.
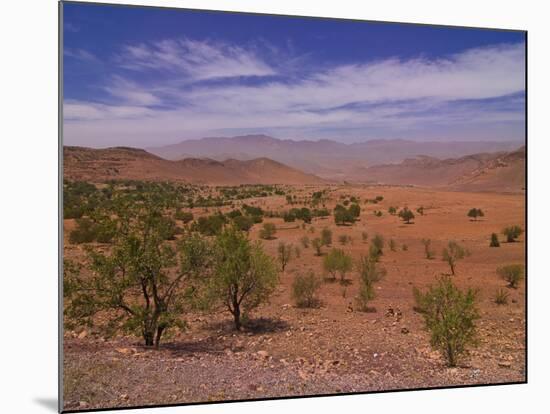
column 501, row 171
column 326, row 158
column 130, row 163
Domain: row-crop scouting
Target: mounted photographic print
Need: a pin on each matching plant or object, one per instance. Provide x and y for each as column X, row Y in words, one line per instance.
column 262, row 206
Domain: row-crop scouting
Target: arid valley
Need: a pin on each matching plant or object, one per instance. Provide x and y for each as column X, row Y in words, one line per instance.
column 287, row 347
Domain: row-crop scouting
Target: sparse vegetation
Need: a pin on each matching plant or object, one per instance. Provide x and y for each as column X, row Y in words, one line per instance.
column 304, row 290
column 501, row 297
column 512, row 233
column 326, row 236
column 377, row 246
column 369, row 274
column 428, row 252
column 337, row 262
column 317, row 245
column 305, row 242
column 406, row 215
column 474, row 213
column 450, row 315
column 453, row 253
column 284, row 254
column 513, row 274
column 494, row 240
column 268, row 231
column 364, row 236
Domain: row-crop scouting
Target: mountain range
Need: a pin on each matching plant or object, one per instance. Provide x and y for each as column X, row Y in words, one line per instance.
column 325, row 158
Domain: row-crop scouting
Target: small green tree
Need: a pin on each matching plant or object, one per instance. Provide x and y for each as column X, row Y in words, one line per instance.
column 243, row 223
column 355, row 210
column 369, row 274
column 337, row 262
column 474, row 213
column 284, row 254
column 244, row 276
column 317, row 245
column 304, row 290
column 428, row 252
column 407, row 215
column 512, row 233
column 326, row 236
column 513, row 274
column 494, row 240
column 267, row 232
column 137, row 285
column 453, row 253
column 450, row 315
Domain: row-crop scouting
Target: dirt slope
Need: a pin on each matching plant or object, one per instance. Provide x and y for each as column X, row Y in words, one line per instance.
column 502, row 171
column 131, row 163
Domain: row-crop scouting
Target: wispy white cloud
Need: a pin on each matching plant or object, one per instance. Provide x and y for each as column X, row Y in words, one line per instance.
column 391, row 95
column 80, row 54
column 200, row 60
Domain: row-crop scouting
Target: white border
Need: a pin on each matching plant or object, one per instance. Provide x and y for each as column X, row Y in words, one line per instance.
column 28, row 30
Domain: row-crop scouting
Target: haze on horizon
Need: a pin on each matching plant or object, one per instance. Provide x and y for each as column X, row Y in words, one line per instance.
column 187, row 75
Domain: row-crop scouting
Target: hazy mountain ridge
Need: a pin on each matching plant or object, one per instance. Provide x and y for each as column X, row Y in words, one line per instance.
column 131, row 163
column 326, row 158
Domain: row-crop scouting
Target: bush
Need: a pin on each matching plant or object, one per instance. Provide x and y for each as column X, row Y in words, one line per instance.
column 392, row 245
column 304, row 289
column 475, row 213
column 369, row 274
column 85, row 231
column 494, row 241
column 284, row 254
column 513, row 274
column 337, row 262
column 453, row 253
column 407, row 215
column 512, row 233
column 184, row 216
column 364, row 236
column 501, row 297
column 420, row 210
column 326, row 236
column 392, row 210
column 209, row 225
column 343, row 216
column 243, row 223
column 317, row 245
column 305, row 242
column 428, row 252
column 268, row 231
column 344, row 239
column 355, row 210
column 449, row 315
column 377, row 244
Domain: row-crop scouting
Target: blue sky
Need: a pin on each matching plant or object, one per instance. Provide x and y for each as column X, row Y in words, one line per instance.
column 144, row 77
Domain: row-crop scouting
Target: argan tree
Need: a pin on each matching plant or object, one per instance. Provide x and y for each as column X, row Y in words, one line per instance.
column 284, row 254
column 392, row 210
column 355, row 210
column 137, row 286
column 512, row 233
column 243, row 276
column 450, row 315
column 474, row 213
column 407, row 215
column 453, row 253
column 369, row 274
column 337, row 262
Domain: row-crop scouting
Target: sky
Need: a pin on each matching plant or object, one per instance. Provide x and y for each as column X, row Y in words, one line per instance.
column 145, row 77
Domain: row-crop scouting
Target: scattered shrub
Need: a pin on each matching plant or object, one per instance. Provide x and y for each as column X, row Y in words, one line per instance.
column 407, row 215
column 453, row 253
column 475, row 213
column 317, row 245
column 512, row 233
column 364, row 236
column 369, row 274
column 284, row 254
column 326, row 236
column 494, row 240
column 392, row 210
column 428, row 252
column 449, row 315
column 267, row 232
column 501, row 297
column 305, row 242
column 513, row 274
column 392, row 245
column 337, row 262
column 304, row 289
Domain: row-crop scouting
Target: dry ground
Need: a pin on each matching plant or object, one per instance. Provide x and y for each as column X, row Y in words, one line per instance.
column 290, row 351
